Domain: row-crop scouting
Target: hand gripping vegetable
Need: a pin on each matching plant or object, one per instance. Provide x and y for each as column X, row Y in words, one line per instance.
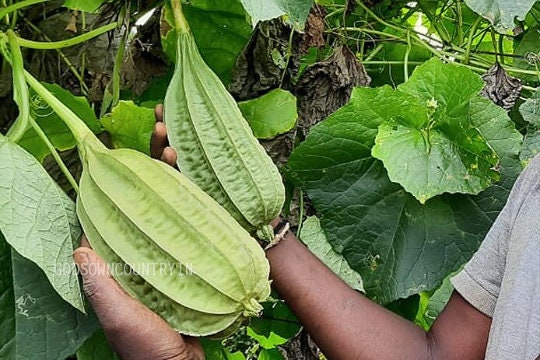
column 216, row 147
column 196, row 266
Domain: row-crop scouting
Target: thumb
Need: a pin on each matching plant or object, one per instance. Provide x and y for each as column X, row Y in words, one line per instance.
column 98, row 284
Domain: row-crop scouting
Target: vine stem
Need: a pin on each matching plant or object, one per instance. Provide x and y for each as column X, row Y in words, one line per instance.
column 470, row 39
column 180, row 22
column 406, row 57
column 20, row 90
column 55, row 45
column 301, row 213
column 18, row 5
column 69, row 64
column 55, row 155
column 78, row 128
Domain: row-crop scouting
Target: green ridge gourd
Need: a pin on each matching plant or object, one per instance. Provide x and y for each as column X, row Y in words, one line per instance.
column 194, row 264
column 216, row 147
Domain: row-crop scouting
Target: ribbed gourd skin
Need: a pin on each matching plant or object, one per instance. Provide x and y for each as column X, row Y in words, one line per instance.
column 216, row 147
column 141, row 212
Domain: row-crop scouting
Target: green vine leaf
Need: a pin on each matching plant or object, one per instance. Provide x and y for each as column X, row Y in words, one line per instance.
column 220, row 30
column 296, row 10
column 314, row 237
column 38, row 220
column 35, row 321
column 399, row 246
column 530, row 109
column 501, row 13
column 51, row 124
column 271, row 114
column 427, row 141
column 84, row 5
column 130, row 126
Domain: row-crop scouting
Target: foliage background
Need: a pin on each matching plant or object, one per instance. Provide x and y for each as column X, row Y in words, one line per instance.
column 347, row 78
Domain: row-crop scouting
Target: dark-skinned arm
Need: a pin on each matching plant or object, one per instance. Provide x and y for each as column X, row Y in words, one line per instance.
column 347, row 325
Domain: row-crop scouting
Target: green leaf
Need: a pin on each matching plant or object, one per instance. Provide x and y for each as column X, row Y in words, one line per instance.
column 96, row 348
column 530, row 109
column 296, row 10
column 431, row 305
column 270, row 354
column 399, row 246
column 451, row 86
column 272, row 114
column 277, row 325
column 55, row 129
column 38, row 220
column 220, row 30
column 526, row 54
column 501, row 13
column 427, row 141
column 314, row 237
column 130, row 126
column 531, row 144
column 84, row 5
column 35, row 321
column 213, row 349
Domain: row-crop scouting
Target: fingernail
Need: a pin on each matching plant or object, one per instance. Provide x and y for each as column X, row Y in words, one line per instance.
column 82, row 260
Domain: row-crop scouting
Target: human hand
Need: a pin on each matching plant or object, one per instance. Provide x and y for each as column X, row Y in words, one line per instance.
column 133, row 330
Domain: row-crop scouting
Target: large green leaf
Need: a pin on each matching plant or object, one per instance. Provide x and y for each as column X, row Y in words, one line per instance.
column 271, row 114
column 220, row 30
column 399, row 246
column 51, row 124
column 427, row 140
column 38, row 219
column 530, row 109
column 526, row 54
column 130, row 126
column 84, row 5
column 296, row 10
column 96, row 348
column 314, row 237
column 35, row 323
column 501, row 13
column 432, row 304
column 276, row 326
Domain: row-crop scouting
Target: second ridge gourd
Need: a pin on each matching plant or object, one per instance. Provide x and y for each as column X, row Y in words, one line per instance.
column 216, row 147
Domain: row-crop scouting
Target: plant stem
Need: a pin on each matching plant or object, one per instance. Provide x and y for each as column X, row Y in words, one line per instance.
column 470, row 39
column 55, row 155
column 18, row 5
column 20, row 90
column 74, row 71
column 80, row 131
column 406, row 57
column 180, row 22
column 301, row 213
column 66, row 43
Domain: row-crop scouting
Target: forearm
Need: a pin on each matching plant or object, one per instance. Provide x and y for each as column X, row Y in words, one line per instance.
column 343, row 323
